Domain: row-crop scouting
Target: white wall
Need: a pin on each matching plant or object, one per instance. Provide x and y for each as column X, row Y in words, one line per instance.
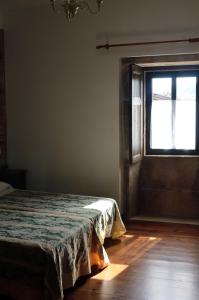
column 63, row 95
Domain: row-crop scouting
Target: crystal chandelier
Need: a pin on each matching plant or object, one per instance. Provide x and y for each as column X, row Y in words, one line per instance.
column 71, row 7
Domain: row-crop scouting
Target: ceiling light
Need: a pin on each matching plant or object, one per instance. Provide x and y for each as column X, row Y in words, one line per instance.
column 72, row 7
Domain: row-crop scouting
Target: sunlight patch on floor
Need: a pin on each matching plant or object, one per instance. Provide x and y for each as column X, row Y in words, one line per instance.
column 111, row 272
column 128, row 236
column 129, row 254
column 152, row 238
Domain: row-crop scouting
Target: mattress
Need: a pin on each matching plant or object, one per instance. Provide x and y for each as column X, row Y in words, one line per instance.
column 48, row 240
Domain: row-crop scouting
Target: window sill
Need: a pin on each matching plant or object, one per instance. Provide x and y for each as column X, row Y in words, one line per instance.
column 171, row 155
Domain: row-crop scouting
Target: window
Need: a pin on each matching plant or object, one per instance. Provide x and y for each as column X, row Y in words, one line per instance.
column 172, row 112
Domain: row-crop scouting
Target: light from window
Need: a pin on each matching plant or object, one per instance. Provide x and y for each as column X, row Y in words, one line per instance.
column 173, row 121
column 161, row 112
column 185, row 116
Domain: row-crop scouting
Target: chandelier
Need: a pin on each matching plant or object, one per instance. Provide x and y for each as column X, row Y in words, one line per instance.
column 71, row 7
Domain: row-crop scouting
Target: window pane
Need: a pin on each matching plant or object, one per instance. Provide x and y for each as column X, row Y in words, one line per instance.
column 185, row 116
column 161, row 114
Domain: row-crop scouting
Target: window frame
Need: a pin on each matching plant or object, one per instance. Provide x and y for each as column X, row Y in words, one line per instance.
column 173, row 73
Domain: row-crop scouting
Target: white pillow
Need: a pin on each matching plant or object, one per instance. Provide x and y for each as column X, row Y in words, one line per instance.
column 5, row 188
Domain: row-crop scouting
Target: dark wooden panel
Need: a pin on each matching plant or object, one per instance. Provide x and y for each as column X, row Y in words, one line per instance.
column 169, row 203
column 169, row 187
column 170, row 173
column 131, row 145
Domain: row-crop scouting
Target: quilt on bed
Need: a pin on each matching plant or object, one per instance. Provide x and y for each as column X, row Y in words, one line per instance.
column 49, row 240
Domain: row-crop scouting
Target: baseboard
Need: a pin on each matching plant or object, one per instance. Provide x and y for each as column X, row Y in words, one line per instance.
column 165, row 220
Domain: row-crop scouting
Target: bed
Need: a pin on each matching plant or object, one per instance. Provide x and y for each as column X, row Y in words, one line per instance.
column 48, row 240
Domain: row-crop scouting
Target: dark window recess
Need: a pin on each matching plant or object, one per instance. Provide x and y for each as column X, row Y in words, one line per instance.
column 172, row 112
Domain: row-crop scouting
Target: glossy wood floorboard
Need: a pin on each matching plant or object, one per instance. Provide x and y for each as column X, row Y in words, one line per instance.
column 153, row 261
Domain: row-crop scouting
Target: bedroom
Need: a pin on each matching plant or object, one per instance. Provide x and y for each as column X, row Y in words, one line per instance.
column 62, row 95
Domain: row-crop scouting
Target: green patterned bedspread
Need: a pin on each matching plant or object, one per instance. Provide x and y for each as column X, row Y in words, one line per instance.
column 49, row 240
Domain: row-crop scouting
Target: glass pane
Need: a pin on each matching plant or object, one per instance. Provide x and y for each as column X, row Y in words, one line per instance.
column 185, row 115
column 161, row 88
column 161, row 114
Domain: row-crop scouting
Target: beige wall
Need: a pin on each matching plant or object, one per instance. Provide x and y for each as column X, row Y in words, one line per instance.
column 63, row 95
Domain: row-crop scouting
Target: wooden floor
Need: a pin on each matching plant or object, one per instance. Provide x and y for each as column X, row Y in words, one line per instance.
column 153, row 261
